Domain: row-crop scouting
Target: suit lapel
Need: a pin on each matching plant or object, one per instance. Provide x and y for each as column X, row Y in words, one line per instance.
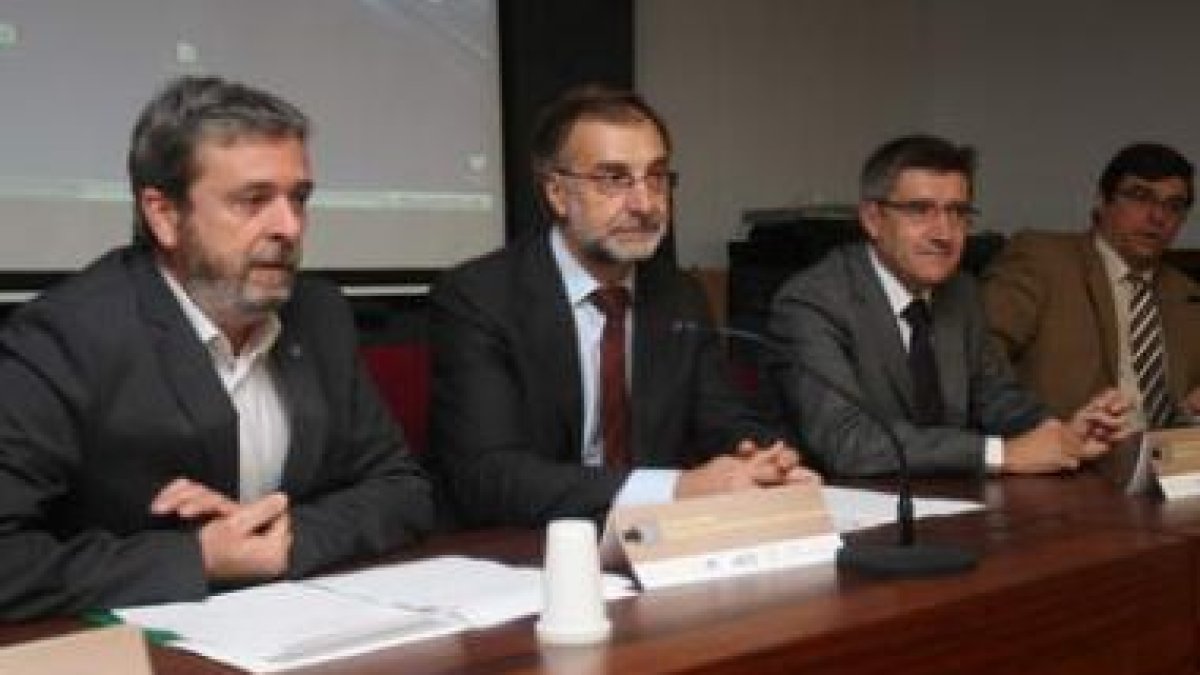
column 1100, row 296
column 653, row 351
column 296, row 375
column 553, row 343
column 1175, row 304
column 949, row 327
column 881, row 321
column 191, row 377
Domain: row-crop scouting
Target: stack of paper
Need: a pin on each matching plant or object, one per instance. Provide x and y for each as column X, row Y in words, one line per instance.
column 291, row 624
column 479, row 592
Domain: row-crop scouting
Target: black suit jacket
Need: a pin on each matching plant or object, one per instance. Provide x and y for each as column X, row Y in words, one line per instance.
column 508, row 412
column 836, row 319
column 106, row 394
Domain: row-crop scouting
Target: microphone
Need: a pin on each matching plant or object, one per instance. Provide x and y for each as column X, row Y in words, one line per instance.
column 904, row 559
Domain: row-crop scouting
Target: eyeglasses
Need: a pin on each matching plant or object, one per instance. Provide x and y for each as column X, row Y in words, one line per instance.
column 925, row 210
column 1145, row 198
column 620, row 183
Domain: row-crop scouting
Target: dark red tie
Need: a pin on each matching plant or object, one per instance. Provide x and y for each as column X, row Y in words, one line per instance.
column 613, row 301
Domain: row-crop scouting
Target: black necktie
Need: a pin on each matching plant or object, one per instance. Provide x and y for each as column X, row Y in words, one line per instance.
column 927, row 390
column 612, row 301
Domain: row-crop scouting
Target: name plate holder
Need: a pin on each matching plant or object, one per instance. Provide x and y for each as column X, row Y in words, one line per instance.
column 1174, row 456
column 117, row 650
column 707, row 538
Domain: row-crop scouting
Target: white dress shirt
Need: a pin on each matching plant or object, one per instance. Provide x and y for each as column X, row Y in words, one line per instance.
column 264, row 431
column 1122, row 289
column 899, row 298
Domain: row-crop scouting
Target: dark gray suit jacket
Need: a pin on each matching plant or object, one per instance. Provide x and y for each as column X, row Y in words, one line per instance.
column 835, row 318
column 106, row 394
column 507, row 420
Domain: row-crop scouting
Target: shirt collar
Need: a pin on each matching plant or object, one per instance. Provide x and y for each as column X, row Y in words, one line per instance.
column 1115, row 266
column 208, row 332
column 898, row 295
column 577, row 280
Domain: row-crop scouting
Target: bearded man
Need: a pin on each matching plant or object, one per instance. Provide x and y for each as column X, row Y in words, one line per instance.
column 189, row 414
column 561, row 385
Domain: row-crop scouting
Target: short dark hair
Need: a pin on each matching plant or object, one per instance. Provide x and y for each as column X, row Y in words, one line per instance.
column 1148, row 161
column 586, row 102
column 187, row 111
column 918, row 151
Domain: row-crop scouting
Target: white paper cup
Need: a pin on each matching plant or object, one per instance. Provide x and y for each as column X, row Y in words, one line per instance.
column 573, row 609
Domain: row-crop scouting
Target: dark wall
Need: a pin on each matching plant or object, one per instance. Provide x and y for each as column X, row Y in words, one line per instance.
column 547, row 46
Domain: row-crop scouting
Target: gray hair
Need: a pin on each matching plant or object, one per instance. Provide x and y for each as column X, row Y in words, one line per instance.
column 913, row 152
column 162, row 150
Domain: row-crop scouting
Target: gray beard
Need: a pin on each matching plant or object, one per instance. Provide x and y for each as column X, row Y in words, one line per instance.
column 226, row 300
column 599, row 252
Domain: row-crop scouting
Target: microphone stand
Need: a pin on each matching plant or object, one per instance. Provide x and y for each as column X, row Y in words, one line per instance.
column 906, row 558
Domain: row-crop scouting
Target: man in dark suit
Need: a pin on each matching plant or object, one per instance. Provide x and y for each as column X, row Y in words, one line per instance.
column 185, row 414
column 894, row 322
column 538, row 413
column 1067, row 302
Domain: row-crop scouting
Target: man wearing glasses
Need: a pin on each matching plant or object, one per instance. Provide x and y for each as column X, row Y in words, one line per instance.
column 561, row 380
column 1083, row 310
column 894, row 323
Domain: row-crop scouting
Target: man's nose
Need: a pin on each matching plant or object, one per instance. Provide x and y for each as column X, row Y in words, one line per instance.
column 639, row 198
column 1160, row 213
column 944, row 224
column 287, row 219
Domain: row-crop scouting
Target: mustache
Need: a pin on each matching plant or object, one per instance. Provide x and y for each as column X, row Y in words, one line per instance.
column 1150, row 234
column 278, row 255
column 937, row 247
column 646, row 224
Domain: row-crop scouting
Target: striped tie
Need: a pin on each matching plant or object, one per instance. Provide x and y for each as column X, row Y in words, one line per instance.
column 1146, row 347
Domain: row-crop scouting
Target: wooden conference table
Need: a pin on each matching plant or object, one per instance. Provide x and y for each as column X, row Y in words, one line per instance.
column 1074, row 578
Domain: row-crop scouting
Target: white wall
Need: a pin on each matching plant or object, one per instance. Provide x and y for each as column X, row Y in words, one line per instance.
column 1050, row 90
column 777, row 102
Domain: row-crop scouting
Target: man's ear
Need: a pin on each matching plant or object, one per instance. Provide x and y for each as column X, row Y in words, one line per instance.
column 869, row 215
column 555, row 197
column 162, row 216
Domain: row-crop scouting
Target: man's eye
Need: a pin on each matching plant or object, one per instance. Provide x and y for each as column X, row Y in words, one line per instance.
column 299, row 199
column 615, row 180
column 252, row 201
column 920, row 208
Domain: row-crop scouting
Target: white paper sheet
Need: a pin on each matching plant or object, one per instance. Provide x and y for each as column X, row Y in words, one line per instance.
column 296, row 623
column 856, row 509
column 286, row 625
column 481, row 592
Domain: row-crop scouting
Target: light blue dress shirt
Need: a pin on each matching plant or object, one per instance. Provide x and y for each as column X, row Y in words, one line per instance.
column 643, row 486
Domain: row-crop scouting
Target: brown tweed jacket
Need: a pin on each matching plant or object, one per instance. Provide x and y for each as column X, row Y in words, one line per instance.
column 1049, row 304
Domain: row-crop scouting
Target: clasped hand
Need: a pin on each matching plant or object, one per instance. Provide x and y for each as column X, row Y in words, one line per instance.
column 237, row 541
column 750, row 466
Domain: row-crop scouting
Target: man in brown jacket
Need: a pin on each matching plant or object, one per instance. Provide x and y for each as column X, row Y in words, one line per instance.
column 1079, row 312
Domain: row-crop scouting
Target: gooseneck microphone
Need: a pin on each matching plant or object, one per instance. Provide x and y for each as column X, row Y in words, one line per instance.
column 904, row 559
